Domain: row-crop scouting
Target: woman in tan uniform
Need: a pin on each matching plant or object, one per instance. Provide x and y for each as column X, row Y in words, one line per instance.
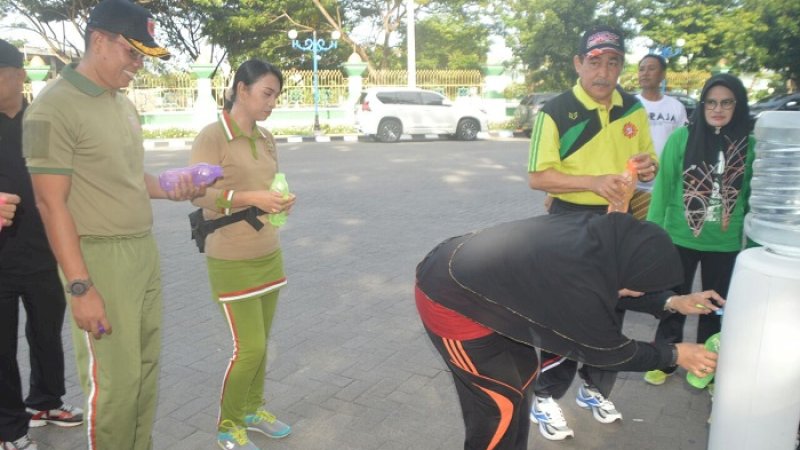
column 245, row 265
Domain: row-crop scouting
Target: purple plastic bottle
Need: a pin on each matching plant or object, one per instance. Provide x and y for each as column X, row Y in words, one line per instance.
column 201, row 173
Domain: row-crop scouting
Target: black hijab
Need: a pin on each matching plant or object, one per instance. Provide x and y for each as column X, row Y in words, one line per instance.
column 701, row 165
column 552, row 281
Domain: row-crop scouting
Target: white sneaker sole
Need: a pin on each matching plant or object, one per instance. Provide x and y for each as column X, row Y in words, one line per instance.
column 271, row 436
column 598, row 416
column 41, row 423
column 552, row 434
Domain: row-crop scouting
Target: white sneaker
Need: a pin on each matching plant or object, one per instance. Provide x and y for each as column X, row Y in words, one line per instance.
column 552, row 424
column 23, row 443
column 602, row 409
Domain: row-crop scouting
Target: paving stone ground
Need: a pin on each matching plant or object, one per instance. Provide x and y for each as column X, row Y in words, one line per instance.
column 349, row 364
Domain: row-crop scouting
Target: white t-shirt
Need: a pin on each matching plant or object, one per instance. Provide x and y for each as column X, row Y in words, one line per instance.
column 665, row 116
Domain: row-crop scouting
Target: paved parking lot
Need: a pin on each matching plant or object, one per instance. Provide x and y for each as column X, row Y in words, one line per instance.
column 350, row 366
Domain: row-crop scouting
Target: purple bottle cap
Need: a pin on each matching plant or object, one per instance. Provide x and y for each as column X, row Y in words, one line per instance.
column 203, row 173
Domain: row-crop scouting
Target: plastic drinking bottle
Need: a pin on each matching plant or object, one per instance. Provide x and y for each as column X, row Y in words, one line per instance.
column 280, row 186
column 201, row 173
column 631, row 175
column 712, row 344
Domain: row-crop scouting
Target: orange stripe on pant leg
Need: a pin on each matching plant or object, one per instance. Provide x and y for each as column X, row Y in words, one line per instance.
column 455, row 357
column 461, row 360
column 506, row 408
column 466, row 357
column 533, row 377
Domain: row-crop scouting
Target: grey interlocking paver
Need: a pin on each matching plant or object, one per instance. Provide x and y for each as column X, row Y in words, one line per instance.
column 349, row 364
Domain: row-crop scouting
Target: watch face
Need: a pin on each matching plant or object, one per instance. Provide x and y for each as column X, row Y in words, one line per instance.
column 78, row 288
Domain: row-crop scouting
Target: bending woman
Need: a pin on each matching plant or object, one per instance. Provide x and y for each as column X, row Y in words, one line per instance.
column 489, row 299
column 245, row 266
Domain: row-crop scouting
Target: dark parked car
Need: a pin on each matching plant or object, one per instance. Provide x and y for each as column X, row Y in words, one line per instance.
column 780, row 102
column 528, row 108
column 688, row 102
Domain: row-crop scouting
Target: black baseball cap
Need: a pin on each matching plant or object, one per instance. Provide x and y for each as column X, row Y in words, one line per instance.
column 602, row 39
column 10, row 56
column 132, row 22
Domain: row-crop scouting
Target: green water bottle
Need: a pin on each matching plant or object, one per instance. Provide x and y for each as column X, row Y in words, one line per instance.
column 280, row 186
column 712, row 345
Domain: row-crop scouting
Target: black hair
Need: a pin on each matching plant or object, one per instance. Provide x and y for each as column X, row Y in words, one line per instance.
column 661, row 60
column 248, row 73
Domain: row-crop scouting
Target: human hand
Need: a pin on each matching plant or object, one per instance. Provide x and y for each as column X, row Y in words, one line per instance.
column 289, row 203
column 186, row 189
column 704, row 302
column 611, row 187
column 646, row 166
column 89, row 312
column 8, row 207
column 696, row 359
column 624, row 292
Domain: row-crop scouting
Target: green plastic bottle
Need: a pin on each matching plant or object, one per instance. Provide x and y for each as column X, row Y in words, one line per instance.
column 712, row 345
column 280, row 186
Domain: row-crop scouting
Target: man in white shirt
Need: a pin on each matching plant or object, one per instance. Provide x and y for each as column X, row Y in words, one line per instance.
column 665, row 114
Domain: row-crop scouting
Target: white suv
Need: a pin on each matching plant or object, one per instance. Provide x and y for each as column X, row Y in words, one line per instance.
column 388, row 113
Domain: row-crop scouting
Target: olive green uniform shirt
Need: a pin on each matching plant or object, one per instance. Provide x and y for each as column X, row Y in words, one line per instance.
column 78, row 129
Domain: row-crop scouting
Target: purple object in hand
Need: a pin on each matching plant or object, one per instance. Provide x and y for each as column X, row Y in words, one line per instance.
column 201, row 173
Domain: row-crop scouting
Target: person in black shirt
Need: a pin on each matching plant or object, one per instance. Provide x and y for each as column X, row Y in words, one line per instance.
column 489, row 299
column 28, row 271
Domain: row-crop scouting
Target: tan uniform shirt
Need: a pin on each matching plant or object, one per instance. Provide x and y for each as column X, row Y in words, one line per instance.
column 248, row 164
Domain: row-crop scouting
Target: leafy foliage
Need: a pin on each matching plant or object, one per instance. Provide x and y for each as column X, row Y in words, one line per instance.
column 546, row 37
column 743, row 35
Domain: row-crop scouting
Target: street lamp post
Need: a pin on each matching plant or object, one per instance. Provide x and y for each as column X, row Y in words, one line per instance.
column 315, row 46
column 666, row 52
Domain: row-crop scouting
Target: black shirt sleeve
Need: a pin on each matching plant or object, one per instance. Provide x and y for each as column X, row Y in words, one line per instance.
column 651, row 303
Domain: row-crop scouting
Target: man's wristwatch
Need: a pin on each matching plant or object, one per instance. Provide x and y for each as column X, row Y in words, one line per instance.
column 668, row 306
column 79, row 288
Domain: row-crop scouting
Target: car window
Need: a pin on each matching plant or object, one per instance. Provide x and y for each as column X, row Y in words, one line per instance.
column 431, row 99
column 688, row 102
column 774, row 99
column 407, row 98
column 539, row 99
column 526, row 100
column 388, row 98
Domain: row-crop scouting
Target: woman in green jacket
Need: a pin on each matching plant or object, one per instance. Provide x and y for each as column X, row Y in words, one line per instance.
column 700, row 198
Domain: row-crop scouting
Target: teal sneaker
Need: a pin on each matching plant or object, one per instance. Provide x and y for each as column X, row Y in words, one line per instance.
column 267, row 424
column 234, row 438
column 656, row 377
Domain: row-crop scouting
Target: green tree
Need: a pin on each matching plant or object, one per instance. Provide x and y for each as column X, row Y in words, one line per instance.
column 53, row 22
column 439, row 39
column 779, row 33
column 545, row 34
column 58, row 22
column 716, row 31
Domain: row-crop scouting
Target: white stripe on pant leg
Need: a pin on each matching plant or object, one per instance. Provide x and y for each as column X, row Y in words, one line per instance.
column 561, row 359
column 231, row 361
column 90, row 402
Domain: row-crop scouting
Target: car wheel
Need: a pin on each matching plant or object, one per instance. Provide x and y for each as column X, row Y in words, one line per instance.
column 467, row 129
column 389, row 130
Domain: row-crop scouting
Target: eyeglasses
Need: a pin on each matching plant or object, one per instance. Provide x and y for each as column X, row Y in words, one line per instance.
column 118, row 39
column 132, row 52
column 728, row 103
